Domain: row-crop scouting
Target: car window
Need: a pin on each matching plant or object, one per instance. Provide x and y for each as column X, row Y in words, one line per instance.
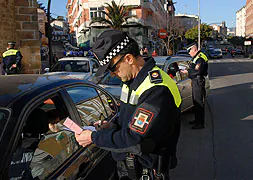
column 109, row 80
column 173, row 71
column 71, row 66
column 4, row 116
column 89, row 104
column 182, row 65
column 94, row 64
column 44, row 145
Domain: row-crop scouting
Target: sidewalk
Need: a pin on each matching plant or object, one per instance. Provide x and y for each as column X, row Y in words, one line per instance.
column 195, row 151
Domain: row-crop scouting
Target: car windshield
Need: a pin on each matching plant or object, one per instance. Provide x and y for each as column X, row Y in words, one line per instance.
column 4, row 115
column 71, row 66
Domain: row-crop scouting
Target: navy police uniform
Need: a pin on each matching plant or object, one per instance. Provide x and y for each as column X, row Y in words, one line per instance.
column 198, row 71
column 10, row 57
column 149, row 124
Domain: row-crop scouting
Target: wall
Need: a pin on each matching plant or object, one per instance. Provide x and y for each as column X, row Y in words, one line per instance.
column 19, row 22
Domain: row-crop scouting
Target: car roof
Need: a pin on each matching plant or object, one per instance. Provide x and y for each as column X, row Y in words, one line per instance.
column 75, row 59
column 16, row 85
column 160, row 60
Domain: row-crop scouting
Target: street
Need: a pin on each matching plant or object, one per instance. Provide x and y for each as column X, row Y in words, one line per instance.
column 223, row 150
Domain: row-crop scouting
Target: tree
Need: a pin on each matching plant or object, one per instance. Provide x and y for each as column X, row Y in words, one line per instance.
column 115, row 16
column 205, row 32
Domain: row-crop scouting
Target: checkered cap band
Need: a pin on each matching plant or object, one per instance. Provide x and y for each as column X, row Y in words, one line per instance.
column 114, row 52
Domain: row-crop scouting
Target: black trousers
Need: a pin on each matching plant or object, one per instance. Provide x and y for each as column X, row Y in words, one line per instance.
column 198, row 96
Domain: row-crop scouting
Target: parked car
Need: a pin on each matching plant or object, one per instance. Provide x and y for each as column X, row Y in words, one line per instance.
column 33, row 140
column 238, row 51
column 216, row 53
column 80, row 67
column 172, row 66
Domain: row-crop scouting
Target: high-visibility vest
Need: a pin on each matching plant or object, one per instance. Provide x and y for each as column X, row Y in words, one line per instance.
column 147, row 84
column 200, row 55
column 10, row 52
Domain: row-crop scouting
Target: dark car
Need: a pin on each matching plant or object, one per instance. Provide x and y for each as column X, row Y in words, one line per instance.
column 34, row 143
column 216, row 53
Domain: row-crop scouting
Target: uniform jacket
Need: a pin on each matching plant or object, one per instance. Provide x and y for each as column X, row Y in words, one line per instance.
column 159, row 102
column 10, row 58
column 199, row 68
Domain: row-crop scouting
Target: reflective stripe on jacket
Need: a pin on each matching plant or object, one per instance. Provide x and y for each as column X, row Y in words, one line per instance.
column 146, row 84
column 200, row 55
column 10, row 52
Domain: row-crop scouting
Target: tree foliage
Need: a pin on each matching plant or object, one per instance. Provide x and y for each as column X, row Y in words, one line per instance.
column 205, row 32
column 115, row 15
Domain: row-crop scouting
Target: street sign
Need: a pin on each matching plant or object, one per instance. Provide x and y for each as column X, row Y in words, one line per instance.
column 247, row 43
column 162, row 33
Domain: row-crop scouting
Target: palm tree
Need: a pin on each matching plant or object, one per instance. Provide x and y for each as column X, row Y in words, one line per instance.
column 115, row 16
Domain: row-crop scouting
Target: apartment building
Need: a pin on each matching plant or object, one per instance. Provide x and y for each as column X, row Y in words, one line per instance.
column 188, row 21
column 241, row 22
column 249, row 18
column 150, row 16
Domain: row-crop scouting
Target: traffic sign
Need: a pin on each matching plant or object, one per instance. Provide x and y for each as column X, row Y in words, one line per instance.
column 247, row 43
column 162, row 33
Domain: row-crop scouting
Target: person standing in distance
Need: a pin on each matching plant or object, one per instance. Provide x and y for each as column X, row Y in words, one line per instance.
column 144, row 137
column 12, row 59
column 197, row 72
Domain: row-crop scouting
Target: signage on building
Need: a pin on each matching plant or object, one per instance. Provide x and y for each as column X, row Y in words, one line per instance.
column 247, row 43
column 162, row 33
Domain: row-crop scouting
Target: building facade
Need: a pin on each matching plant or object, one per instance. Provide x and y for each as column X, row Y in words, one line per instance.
column 249, row 18
column 188, row 21
column 241, row 22
column 19, row 22
column 149, row 15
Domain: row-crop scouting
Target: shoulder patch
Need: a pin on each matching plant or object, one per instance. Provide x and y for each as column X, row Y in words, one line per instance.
column 155, row 76
column 141, row 120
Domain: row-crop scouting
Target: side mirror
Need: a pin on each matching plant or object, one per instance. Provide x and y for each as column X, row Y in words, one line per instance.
column 46, row 70
column 94, row 70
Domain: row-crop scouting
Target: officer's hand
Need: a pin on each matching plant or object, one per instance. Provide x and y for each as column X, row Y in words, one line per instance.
column 14, row 65
column 84, row 139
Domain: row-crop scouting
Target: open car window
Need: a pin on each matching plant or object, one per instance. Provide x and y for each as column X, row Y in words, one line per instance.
column 44, row 145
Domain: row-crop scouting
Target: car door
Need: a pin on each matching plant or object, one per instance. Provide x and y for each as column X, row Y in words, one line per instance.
column 45, row 149
column 93, row 104
column 173, row 69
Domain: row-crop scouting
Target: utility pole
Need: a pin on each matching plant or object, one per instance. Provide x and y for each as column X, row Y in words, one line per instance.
column 199, row 24
column 49, row 34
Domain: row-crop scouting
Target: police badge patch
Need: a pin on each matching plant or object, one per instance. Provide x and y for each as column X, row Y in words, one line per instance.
column 141, row 120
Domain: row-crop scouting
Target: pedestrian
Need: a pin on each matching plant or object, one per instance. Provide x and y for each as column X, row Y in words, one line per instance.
column 12, row 59
column 145, row 135
column 141, row 52
column 197, row 72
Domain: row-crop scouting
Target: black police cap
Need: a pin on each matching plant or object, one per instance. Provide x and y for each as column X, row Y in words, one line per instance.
column 190, row 46
column 108, row 45
column 11, row 43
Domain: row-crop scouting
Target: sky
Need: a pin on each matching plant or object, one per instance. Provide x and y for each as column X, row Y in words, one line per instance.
column 211, row 11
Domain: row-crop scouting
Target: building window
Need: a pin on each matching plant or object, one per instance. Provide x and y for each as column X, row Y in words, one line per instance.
column 96, row 12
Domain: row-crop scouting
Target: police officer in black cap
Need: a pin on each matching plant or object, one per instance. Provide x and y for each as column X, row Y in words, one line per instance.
column 197, row 72
column 12, row 59
column 145, row 136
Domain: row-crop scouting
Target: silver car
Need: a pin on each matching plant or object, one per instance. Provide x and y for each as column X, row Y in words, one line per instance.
column 172, row 66
column 77, row 67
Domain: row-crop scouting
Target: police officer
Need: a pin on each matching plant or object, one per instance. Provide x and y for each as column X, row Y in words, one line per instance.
column 197, row 72
column 145, row 135
column 12, row 59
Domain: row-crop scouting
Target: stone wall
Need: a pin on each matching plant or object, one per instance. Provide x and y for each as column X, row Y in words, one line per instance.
column 19, row 22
